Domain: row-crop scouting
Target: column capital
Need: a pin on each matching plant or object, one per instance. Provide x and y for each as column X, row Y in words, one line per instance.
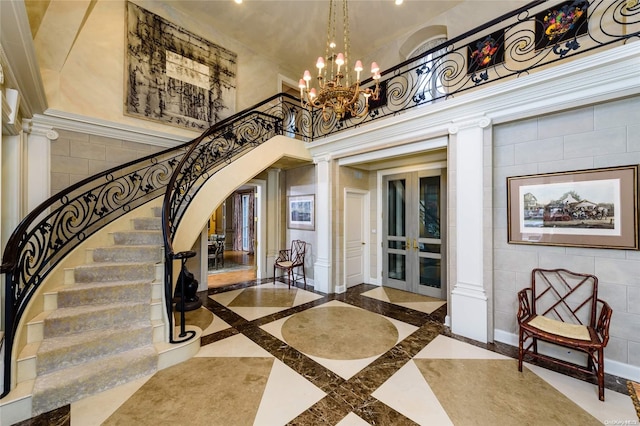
column 481, row 122
column 324, row 158
column 36, row 129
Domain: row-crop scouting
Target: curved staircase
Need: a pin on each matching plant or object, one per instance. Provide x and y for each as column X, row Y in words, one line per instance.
column 99, row 327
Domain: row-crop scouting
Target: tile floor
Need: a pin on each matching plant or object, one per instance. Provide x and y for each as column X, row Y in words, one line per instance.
column 273, row 356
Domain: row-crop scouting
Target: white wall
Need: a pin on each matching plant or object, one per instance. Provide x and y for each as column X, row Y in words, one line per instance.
column 603, row 135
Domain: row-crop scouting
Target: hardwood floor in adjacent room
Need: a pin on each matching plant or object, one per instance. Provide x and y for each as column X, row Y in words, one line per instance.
column 238, row 267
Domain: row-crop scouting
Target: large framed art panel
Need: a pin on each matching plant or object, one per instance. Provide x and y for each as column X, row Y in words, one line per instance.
column 175, row 77
column 584, row 208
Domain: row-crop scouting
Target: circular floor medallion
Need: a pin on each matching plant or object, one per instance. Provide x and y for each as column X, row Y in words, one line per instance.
column 336, row 332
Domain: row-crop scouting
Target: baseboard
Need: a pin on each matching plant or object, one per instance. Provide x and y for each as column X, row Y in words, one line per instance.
column 616, row 368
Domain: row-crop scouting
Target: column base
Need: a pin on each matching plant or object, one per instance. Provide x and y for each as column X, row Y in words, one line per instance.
column 322, row 277
column 469, row 312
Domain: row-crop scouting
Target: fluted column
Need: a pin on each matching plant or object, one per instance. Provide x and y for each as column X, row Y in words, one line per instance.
column 38, row 162
column 322, row 270
column 469, row 302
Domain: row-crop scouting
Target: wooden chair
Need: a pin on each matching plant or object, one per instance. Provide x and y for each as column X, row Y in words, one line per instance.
column 290, row 259
column 560, row 308
column 216, row 253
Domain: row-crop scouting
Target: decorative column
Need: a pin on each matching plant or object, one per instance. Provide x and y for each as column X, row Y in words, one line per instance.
column 274, row 215
column 469, row 303
column 37, row 162
column 322, row 270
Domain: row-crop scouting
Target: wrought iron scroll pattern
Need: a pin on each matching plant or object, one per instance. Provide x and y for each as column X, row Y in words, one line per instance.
column 75, row 215
column 216, row 148
column 443, row 72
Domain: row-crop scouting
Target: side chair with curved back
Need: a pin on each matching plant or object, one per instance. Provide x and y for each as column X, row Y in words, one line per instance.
column 562, row 307
column 290, row 259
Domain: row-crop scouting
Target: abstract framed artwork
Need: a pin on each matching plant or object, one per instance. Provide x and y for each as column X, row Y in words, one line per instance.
column 173, row 76
column 563, row 22
column 485, row 52
column 300, row 212
column 585, row 208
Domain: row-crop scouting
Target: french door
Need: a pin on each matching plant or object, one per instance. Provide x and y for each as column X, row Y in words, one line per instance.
column 413, row 251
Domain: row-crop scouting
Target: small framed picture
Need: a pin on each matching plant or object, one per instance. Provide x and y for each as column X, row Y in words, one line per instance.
column 586, row 208
column 300, row 212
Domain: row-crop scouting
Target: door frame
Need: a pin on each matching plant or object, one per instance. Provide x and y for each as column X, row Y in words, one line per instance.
column 366, row 226
column 380, row 207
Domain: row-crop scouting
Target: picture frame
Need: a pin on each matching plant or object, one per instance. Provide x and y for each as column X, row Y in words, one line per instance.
column 595, row 208
column 301, row 212
column 561, row 23
column 485, row 52
column 175, row 77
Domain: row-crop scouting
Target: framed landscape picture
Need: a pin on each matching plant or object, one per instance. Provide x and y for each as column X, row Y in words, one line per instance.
column 300, row 212
column 585, row 208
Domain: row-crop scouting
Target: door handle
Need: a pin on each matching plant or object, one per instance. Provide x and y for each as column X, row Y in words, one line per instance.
column 415, row 244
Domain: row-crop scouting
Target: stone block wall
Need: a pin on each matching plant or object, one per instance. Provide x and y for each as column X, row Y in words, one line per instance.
column 604, row 135
column 75, row 156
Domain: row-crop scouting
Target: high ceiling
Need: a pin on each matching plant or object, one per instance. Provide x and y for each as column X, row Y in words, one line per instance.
column 293, row 32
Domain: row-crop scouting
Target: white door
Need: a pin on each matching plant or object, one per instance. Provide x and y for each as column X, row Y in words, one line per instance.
column 355, row 213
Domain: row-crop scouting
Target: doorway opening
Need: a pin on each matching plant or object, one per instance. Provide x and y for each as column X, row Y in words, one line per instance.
column 236, row 226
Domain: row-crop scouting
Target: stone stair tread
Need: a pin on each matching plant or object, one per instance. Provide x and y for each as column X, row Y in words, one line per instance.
column 129, row 246
column 64, row 386
column 53, row 343
column 78, row 310
column 114, row 264
column 97, row 284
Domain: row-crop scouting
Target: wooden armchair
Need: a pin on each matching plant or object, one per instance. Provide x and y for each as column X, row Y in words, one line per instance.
column 560, row 307
column 290, row 259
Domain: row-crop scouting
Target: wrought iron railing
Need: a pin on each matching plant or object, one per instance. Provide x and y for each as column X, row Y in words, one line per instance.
column 55, row 227
column 513, row 45
column 516, row 46
column 217, row 147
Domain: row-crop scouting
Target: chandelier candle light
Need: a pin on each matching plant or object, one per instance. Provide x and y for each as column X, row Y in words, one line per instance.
column 332, row 95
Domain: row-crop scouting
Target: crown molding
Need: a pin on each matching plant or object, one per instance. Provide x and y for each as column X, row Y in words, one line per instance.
column 61, row 120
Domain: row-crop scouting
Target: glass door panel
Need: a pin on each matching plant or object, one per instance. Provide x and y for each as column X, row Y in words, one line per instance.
column 412, row 237
column 429, row 239
column 395, row 264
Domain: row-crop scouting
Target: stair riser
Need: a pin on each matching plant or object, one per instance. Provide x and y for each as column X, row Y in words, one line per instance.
column 151, row 254
column 133, row 238
column 69, row 356
column 110, row 318
column 105, row 273
column 49, row 395
column 104, row 294
column 147, row 223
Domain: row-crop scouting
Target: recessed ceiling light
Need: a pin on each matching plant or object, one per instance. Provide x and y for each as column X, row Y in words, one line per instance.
column 240, row 1
column 399, row 2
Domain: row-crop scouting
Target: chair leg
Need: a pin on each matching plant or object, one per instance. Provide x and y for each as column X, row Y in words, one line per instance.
column 274, row 275
column 600, row 374
column 304, row 278
column 520, row 350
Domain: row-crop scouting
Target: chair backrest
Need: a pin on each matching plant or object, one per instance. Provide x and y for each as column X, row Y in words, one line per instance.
column 563, row 295
column 298, row 250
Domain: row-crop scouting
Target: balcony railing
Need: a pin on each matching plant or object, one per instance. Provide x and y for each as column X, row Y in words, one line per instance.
column 536, row 36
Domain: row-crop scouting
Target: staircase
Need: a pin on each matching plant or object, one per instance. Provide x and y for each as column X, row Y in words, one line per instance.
column 99, row 327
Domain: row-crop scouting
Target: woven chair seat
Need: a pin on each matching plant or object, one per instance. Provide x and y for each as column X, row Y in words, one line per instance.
column 571, row 331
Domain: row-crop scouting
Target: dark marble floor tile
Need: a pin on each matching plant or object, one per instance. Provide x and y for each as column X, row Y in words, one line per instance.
column 58, row 417
column 375, row 412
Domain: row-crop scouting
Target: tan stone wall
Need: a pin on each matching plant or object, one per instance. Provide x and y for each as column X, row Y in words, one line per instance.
column 75, row 156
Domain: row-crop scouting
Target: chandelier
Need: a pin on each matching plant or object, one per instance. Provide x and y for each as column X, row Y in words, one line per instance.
column 335, row 94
